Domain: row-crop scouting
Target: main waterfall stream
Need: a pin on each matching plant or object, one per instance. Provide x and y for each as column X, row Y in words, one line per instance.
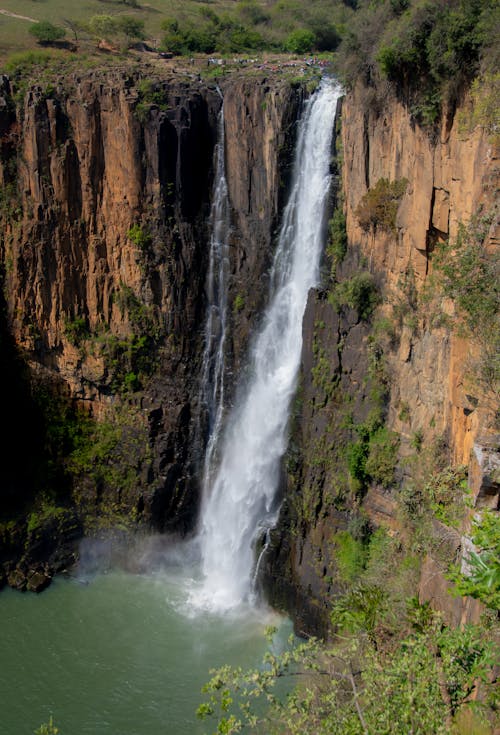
column 113, row 652
column 241, row 502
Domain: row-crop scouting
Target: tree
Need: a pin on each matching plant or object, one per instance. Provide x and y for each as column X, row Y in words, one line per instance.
column 300, row 41
column 111, row 28
column 103, row 26
column 131, row 27
column 419, row 684
column 46, row 33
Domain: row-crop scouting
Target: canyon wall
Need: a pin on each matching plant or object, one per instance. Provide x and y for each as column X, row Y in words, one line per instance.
column 106, row 194
column 107, row 181
column 398, row 376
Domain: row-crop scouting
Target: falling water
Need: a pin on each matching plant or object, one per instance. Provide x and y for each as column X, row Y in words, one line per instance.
column 215, row 328
column 241, row 503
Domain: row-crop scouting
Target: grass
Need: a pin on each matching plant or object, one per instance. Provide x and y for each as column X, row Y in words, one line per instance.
column 274, row 22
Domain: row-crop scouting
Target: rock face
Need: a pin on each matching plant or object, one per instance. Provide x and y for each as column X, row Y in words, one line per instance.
column 399, row 364
column 107, row 183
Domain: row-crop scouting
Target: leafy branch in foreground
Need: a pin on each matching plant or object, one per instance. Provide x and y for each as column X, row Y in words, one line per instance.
column 480, row 574
column 420, row 684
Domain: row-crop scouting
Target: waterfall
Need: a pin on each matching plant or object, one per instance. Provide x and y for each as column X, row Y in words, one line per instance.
column 240, row 503
column 212, row 380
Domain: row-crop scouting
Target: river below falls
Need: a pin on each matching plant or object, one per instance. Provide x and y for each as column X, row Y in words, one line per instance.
column 118, row 654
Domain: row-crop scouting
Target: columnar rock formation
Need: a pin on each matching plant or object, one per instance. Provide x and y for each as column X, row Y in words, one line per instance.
column 430, row 400
column 106, row 195
column 107, row 180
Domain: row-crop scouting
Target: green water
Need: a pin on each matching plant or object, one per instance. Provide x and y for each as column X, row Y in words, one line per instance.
column 121, row 655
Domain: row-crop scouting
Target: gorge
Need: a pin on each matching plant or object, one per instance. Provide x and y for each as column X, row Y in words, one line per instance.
column 117, row 203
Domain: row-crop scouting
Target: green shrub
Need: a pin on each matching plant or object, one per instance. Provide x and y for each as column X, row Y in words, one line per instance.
column 252, row 12
column 357, row 454
column 350, row 556
column 47, row 728
column 238, row 303
column 382, row 456
column 140, row 238
column 481, row 576
column 379, row 206
column 76, row 331
column 22, row 63
column 300, row 41
column 485, row 112
column 46, row 33
column 47, row 512
column 445, row 495
column 466, row 271
column 336, row 248
column 359, row 292
column 433, row 50
column 417, row 439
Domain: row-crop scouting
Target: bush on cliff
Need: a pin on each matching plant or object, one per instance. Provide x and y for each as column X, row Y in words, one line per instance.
column 358, row 292
column 467, row 272
column 378, row 208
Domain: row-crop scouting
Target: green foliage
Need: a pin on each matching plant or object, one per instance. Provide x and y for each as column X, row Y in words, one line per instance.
column 46, row 512
column 252, row 12
column 429, row 50
column 131, row 27
column 382, row 457
column 76, row 330
column 467, row 272
column 445, row 494
column 479, row 577
column 24, row 62
column 417, row 439
column 107, row 456
column 418, row 684
column 357, row 454
column 149, row 95
column 350, row 556
column 238, row 303
column 358, row 292
column 359, row 609
column 139, row 237
column 46, row 33
column 47, row 728
column 485, row 113
column 300, row 41
column 213, row 33
column 379, row 206
column 404, row 412
column 119, row 27
column 336, row 248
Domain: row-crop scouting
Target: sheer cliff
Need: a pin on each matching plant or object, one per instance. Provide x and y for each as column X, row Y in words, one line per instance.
column 107, row 179
column 393, row 404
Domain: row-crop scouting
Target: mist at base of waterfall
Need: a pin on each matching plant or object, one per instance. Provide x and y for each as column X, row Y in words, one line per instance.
column 117, row 652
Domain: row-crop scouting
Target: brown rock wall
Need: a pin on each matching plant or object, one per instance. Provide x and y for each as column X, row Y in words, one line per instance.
column 86, row 161
column 431, row 401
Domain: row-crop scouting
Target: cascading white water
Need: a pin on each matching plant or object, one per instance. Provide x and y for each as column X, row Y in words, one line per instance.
column 241, row 502
column 212, row 383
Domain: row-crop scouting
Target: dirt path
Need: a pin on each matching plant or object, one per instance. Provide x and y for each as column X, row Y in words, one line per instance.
column 15, row 15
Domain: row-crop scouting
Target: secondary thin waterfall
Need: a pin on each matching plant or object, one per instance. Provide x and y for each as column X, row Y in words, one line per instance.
column 241, row 502
column 217, row 285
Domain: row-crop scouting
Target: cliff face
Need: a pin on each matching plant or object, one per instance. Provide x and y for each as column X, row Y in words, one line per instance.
column 107, row 182
column 395, row 377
